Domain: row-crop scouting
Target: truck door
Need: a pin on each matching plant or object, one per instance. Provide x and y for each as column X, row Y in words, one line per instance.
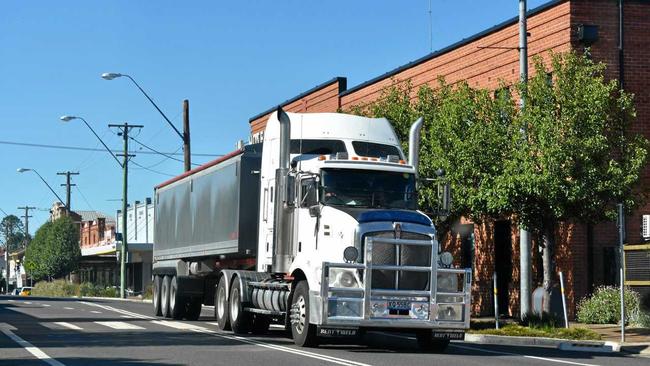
column 307, row 226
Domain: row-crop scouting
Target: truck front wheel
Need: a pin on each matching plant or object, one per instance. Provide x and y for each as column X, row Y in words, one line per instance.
column 221, row 305
column 303, row 333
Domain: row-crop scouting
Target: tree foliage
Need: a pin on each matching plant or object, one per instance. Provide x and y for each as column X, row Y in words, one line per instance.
column 569, row 154
column 55, row 251
column 11, row 229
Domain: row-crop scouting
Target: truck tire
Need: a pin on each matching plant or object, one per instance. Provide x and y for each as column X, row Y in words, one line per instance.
column 428, row 344
column 177, row 302
column 221, row 305
column 157, row 311
column 240, row 321
column 164, row 297
column 193, row 309
column 303, row 333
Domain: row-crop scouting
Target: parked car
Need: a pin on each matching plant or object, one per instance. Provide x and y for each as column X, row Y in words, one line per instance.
column 26, row 291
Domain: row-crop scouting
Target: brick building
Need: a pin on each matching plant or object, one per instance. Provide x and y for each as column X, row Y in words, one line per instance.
column 586, row 254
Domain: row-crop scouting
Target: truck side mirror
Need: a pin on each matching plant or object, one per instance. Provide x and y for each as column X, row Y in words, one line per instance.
column 314, row 211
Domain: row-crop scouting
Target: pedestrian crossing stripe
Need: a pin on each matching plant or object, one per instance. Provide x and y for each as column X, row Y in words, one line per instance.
column 119, row 325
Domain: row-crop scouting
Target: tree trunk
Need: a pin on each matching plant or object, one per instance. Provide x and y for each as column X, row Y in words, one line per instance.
column 548, row 262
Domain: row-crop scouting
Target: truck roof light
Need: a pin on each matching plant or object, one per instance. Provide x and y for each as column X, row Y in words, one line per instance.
column 373, row 159
column 402, row 162
column 355, row 158
column 321, row 158
column 364, row 158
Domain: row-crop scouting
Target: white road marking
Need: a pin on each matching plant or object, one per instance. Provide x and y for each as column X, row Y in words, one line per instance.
column 35, row 351
column 95, row 312
column 198, row 329
column 521, row 355
column 68, row 308
column 28, row 302
column 46, row 305
column 124, row 312
column 10, row 300
column 68, row 325
column 119, row 325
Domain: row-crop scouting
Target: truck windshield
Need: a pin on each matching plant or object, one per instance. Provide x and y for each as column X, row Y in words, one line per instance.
column 368, row 188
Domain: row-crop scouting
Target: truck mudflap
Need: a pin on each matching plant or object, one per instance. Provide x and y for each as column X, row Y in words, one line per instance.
column 443, row 307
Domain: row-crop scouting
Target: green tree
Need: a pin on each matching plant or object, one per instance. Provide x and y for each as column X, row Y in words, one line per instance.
column 11, row 229
column 575, row 157
column 55, row 251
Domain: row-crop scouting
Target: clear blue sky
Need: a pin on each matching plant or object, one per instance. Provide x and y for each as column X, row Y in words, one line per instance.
column 231, row 59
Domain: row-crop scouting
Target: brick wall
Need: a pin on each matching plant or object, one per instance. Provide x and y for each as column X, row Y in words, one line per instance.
column 582, row 250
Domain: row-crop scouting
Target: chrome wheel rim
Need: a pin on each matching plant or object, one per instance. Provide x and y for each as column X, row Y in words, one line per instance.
column 234, row 304
column 221, row 301
column 302, row 314
column 172, row 296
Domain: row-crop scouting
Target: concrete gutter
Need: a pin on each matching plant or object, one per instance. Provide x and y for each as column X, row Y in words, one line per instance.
column 562, row 344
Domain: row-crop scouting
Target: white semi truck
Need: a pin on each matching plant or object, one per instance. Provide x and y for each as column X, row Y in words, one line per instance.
column 316, row 228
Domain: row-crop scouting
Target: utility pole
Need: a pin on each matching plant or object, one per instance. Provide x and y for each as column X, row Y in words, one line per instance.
column 124, row 132
column 26, row 216
column 186, row 135
column 68, row 186
column 524, row 235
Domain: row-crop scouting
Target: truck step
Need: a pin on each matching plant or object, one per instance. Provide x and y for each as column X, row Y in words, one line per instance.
column 265, row 312
column 270, row 285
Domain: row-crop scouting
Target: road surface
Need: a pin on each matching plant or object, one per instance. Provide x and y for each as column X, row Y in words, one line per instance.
column 48, row 331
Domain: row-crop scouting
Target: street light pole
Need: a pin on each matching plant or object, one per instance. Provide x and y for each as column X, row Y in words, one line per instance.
column 22, row 170
column 185, row 136
column 124, row 130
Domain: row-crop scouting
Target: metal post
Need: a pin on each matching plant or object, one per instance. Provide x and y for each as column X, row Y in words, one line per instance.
column 186, row 135
column 496, row 300
column 125, row 128
column 566, row 317
column 621, row 240
column 524, row 235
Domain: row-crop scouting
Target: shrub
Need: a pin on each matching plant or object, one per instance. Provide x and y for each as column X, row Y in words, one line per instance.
column 57, row 288
column 543, row 320
column 604, row 306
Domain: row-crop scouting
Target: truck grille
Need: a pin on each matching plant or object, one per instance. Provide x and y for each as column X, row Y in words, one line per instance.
column 409, row 255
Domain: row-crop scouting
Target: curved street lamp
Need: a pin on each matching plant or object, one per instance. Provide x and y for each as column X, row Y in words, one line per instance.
column 70, row 118
column 22, row 170
column 185, row 136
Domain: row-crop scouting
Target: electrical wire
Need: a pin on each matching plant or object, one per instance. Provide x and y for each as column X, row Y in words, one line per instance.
column 64, row 147
column 84, row 198
column 158, row 152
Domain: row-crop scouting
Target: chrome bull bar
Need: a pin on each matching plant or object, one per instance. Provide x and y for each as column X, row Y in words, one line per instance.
column 445, row 305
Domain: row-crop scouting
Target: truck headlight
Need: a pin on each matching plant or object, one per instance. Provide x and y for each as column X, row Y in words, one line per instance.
column 340, row 277
column 446, row 259
column 447, row 282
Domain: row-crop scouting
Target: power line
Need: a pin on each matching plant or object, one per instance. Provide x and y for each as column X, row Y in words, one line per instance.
column 151, row 170
column 84, row 198
column 64, row 147
column 168, row 156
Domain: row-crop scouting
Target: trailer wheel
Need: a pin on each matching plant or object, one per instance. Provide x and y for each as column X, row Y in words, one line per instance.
column 157, row 311
column 164, row 297
column 240, row 321
column 303, row 333
column 176, row 301
column 193, row 309
column 428, row 344
column 221, row 305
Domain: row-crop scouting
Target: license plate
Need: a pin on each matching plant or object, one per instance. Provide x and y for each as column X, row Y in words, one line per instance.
column 449, row 335
column 399, row 305
column 338, row 332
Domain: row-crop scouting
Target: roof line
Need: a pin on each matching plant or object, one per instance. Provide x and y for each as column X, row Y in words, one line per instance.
column 452, row 47
column 343, row 83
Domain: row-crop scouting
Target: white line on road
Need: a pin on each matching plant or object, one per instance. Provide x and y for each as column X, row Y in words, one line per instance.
column 46, row 305
column 68, row 325
column 35, row 351
column 68, row 308
column 95, row 312
column 119, row 325
column 519, row 354
column 124, row 312
column 28, row 302
column 10, row 300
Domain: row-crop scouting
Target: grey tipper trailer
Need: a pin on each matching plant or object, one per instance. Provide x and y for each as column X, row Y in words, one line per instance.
column 192, row 238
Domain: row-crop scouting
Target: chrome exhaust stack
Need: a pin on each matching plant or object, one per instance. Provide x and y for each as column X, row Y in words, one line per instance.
column 414, row 144
column 284, row 201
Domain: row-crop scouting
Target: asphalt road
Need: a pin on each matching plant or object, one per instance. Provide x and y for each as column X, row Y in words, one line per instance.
column 47, row 331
